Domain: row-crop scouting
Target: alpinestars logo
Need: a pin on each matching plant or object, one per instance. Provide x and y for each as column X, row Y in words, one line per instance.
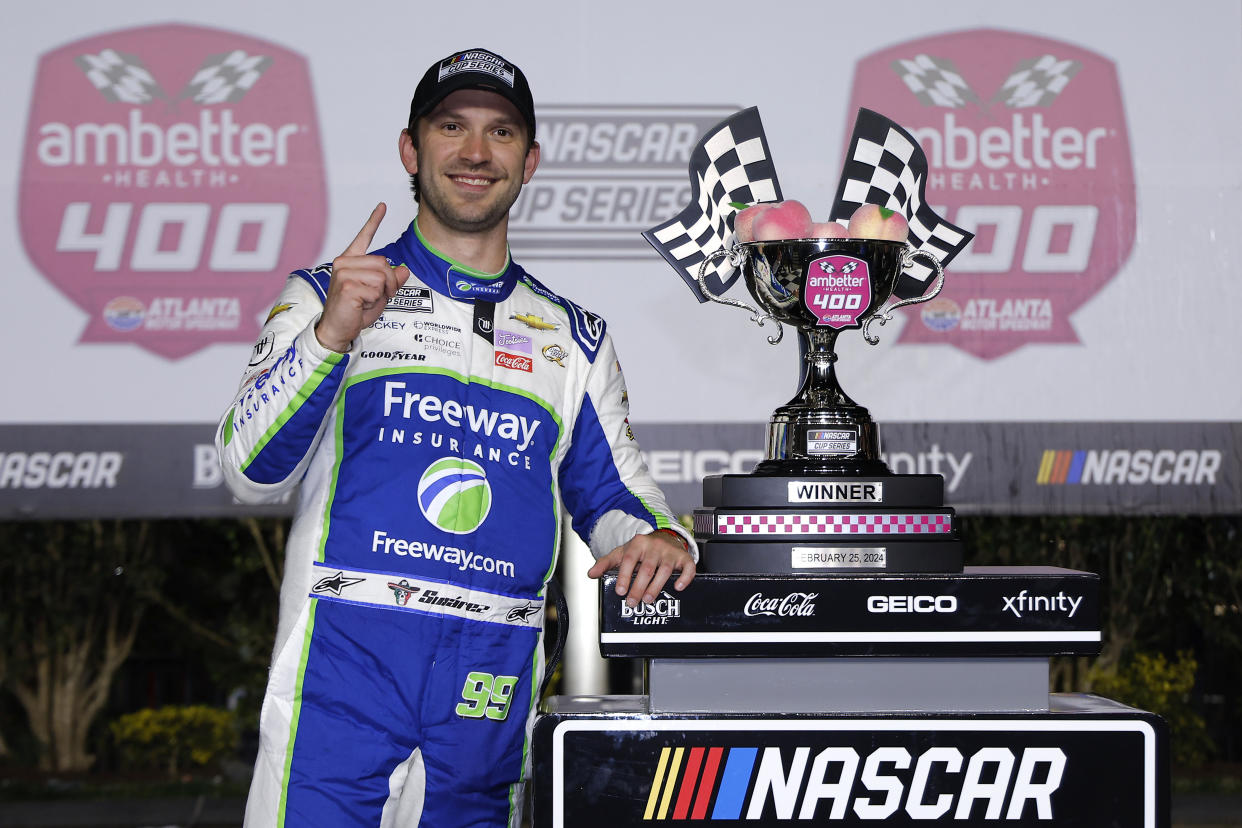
column 837, row 783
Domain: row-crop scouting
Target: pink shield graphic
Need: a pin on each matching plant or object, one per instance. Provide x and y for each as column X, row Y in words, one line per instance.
column 837, row 291
column 1027, row 147
column 172, row 176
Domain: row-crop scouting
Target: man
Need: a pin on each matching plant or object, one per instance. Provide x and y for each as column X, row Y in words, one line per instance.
column 438, row 405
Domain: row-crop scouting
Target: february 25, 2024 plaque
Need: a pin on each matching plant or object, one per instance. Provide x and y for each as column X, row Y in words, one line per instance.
column 834, row 661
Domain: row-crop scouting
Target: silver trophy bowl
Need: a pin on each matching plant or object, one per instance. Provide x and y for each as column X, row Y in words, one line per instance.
column 822, row 287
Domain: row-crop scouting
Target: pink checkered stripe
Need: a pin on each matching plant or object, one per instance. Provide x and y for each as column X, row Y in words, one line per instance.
column 860, row 524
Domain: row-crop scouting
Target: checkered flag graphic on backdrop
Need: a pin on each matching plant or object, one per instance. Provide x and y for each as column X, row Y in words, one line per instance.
column 225, row 78
column 1037, row 82
column 886, row 166
column 121, row 78
column 935, row 81
column 730, row 164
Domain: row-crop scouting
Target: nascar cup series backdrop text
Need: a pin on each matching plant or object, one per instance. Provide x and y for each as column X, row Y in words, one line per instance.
column 166, row 172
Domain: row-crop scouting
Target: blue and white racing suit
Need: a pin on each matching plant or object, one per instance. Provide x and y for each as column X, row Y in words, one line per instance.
column 434, row 457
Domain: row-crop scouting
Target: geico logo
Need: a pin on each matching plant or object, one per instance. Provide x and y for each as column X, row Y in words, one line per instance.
column 693, row 466
column 995, row 783
column 1024, row 146
column 59, row 470
column 401, row 403
column 912, row 603
column 393, row 355
column 181, row 144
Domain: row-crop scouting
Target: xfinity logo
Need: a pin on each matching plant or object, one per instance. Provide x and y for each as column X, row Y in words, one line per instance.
column 1022, row 602
column 911, row 603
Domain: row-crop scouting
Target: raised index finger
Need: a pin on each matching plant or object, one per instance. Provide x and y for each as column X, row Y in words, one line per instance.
column 362, row 241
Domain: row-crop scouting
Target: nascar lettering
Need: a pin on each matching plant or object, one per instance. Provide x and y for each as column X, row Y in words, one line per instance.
column 836, row 781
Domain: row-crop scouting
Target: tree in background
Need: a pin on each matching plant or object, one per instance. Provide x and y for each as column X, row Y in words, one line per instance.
column 71, row 612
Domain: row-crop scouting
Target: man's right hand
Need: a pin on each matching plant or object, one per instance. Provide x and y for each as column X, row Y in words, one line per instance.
column 360, row 288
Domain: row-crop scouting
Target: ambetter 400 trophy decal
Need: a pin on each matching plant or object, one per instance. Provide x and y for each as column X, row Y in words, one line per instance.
column 835, row 662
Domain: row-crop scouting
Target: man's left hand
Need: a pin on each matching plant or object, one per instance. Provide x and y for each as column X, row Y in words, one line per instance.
column 644, row 565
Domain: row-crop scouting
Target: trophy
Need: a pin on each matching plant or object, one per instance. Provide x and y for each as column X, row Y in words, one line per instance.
column 822, row 287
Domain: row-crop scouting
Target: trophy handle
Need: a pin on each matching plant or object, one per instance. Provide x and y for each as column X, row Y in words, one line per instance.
column 735, row 258
column 885, row 314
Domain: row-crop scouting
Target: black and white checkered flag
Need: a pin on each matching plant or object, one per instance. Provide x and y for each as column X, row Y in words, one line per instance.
column 121, row 78
column 886, row 166
column 1037, row 82
column 731, row 164
column 935, row 81
column 225, row 78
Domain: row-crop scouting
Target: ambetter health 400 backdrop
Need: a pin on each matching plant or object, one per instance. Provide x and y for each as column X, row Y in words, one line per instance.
column 165, row 173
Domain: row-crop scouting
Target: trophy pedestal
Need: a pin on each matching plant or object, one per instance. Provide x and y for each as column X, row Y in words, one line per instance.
column 819, row 523
column 829, row 666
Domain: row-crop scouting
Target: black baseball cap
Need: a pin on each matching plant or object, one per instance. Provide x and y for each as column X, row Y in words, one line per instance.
column 474, row 69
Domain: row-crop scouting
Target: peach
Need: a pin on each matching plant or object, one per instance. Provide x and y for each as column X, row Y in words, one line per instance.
column 743, row 222
column 871, row 221
column 828, row 230
column 786, row 220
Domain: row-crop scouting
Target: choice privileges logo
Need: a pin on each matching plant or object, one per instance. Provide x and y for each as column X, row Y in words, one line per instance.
column 1027, row 148
column 168, row 172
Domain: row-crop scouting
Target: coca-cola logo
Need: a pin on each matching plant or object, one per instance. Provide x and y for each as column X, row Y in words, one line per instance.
column 168, row 172
column 1027, row 147
column 800, row 604
column 515, row 362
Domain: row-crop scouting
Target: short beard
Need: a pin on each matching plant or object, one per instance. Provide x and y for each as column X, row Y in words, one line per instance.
column 428, row 200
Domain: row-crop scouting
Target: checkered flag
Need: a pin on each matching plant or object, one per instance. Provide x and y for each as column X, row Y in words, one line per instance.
column 121, row 78
column 731, row 164
column 1037, row 82
column 935, row 81
column 225, row 78
column 886, row 166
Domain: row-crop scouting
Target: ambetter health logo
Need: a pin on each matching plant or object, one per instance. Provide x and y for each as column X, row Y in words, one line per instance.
column 1027, row 146
column 169, row 171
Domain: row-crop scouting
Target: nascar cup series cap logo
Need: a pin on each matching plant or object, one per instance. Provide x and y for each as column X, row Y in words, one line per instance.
column 454, row 495
column 169, row 171
column 1027, row 147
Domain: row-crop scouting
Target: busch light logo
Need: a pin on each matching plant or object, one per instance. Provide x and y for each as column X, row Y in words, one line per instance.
column 454, row 495
column 606, row 173
column 1027, row 147
column 168, row 172
column 838, row 290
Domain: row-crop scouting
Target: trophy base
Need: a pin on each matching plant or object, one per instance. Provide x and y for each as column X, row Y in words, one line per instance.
column 816, row 442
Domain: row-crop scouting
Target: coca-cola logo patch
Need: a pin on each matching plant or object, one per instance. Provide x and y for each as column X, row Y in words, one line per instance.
column 1027, row 147
column 171, row 175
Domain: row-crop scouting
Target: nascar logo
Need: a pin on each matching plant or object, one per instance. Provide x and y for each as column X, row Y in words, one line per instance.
column 1108, row 467
column 720, row 783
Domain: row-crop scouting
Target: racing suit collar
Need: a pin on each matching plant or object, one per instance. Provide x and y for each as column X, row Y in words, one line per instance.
column 449, row 277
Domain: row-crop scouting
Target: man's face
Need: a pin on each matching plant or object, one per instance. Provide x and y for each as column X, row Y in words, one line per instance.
column 472, row 158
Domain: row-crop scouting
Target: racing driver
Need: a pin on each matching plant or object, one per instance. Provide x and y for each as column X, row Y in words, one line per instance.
column 438, row 405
